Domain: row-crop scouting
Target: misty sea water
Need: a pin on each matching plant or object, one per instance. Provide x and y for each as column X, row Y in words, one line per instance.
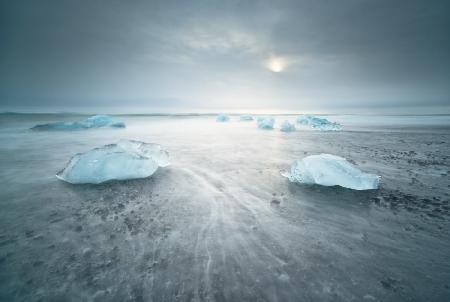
column 220, row 223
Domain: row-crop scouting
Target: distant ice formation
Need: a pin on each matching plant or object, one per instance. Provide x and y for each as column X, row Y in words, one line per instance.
column 126, row 160
column 265, row 122
column 246, row 118
column 95, row 121
column 330, row 170
column 328, row 127
column 222, row 118
column 287, row 127
column 318, row 123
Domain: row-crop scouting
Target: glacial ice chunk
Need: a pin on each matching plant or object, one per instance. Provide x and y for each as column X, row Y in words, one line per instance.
column 287, row 127
column 103, row 121
column 318, row 123
column 330, row 170
column 328, row 127
column 246, row 118
column 127, row 159
column 95, row 121
column 222, row 118
column 265, row 122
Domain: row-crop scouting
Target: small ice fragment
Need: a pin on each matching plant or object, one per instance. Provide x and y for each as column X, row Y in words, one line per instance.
column 330, row 170
column 246, row 118
column 328, row 127
column 127, row 159
column 311, row 120
column 318, row 123
column 222, row 118
column 284, row 277
column 369, row 298
column 95, row 121
column 265, row 122
column 86, row 251
column 287, row 127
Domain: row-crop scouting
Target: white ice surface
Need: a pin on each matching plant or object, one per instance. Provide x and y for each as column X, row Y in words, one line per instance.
column 126, row 160
column 318, row 123
column 265, row 122
column 331, row 170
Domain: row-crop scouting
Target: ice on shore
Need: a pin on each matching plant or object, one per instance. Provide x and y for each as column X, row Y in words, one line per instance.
column 328, row 127
column 95, row 121
column 103, row 121
column 246, row 118
column 287, row 127
column 311, row 120
column 222, row 118
column 318, row 123
column 265, row 122
column 330, row 170
column 127, row 159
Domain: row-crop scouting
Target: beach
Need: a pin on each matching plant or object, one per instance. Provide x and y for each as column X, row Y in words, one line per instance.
column 221, row 223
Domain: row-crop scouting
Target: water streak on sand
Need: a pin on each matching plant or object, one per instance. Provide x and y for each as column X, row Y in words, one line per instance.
column 220, row 223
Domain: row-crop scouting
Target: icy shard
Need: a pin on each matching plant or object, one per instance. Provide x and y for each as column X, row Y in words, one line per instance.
column 287, row 127
column 265, row 122
column 126, row 160
column 95, row 121
column 330, row 170
column 318, row 123
column 103, row 121
column 222, row 118
column 246, row 118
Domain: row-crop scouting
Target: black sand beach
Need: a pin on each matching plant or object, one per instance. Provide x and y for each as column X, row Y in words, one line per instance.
column 221, row 223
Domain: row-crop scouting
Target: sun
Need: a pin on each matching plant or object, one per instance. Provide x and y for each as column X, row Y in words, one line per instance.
column 276, row 64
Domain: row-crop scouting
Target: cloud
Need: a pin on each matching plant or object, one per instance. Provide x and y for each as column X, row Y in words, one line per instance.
column 335, row 54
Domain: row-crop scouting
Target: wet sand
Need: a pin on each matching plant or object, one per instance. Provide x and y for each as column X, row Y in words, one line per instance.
column 221, row 223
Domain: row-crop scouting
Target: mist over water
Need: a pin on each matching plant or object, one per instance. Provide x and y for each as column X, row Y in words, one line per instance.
column 221, row 223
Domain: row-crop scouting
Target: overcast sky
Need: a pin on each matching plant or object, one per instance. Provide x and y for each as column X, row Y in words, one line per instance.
column 213, row 55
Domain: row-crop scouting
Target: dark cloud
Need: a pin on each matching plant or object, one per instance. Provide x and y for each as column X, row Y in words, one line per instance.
column 213, row 54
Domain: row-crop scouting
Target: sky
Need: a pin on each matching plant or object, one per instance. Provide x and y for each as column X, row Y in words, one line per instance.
column 328, row 56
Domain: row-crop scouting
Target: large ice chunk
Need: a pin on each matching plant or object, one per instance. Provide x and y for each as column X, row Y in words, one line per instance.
column 318, row 123
column 95, row 121
column 265, row 122
column 287, row 127
column 330, row 170
column 127, row 159
column 222, row 118
column 246, row 118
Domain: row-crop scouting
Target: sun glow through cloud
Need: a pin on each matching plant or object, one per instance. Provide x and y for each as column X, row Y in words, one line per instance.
column 277, row 64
